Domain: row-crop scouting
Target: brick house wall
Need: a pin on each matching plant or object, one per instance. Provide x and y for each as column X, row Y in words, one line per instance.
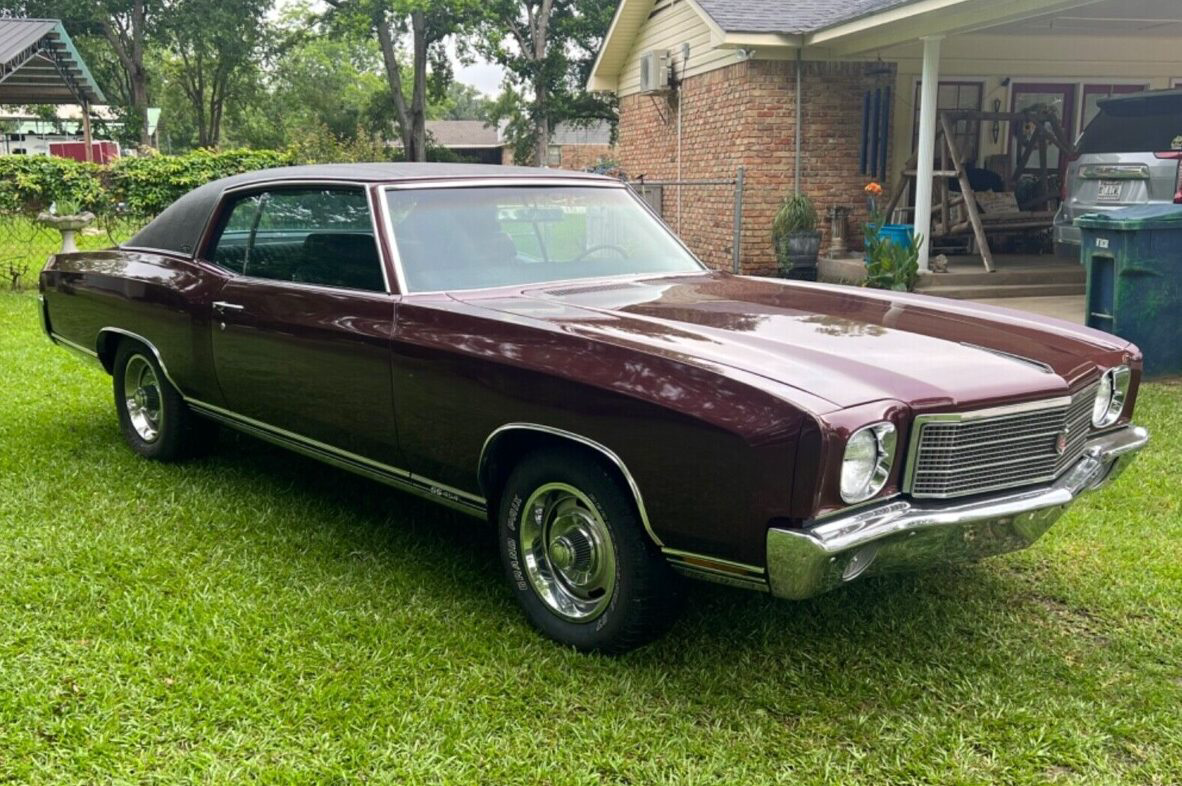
column 576, row 157
column 744, row 114
column 579, row 157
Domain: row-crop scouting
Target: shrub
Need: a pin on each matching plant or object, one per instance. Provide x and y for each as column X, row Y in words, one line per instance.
column 28, row 184
column 148, row 184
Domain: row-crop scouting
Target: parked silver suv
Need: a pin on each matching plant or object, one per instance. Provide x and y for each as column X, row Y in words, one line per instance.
column 1131, row 154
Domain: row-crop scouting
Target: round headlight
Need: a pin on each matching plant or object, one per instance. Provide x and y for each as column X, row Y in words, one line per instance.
column 869, row 454
column 1111, row 396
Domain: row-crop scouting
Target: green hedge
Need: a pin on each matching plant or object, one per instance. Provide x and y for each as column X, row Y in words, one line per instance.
column 143, row 186
column 136, row 186
column 28, row 184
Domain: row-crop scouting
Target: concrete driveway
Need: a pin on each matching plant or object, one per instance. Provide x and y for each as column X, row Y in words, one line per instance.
column 1068, row 307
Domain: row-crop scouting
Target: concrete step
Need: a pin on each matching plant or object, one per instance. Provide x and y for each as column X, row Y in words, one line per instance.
column 983, row 292
column 1054, row 274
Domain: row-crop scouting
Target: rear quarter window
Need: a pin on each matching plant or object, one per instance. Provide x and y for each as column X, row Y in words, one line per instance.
column 1138, row 125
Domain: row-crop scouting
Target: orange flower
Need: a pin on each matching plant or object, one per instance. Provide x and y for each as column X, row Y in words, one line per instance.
column 873, row 189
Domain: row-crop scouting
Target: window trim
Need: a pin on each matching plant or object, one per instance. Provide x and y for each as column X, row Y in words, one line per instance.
column 552, row 182
column 211, row 234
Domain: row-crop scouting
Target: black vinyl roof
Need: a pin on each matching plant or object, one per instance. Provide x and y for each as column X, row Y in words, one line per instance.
column 178, row 229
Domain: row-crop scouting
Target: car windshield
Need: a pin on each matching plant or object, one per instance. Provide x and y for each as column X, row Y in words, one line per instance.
column 471, row 238
column 1145, row 124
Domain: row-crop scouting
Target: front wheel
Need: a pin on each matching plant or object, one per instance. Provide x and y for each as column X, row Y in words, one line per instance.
column 577, row 557
column 154, row 419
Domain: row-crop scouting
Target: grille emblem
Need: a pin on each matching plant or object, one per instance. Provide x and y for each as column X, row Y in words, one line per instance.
column 1061, row 443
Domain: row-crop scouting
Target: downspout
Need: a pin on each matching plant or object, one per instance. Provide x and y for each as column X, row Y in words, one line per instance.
column 799, row 114
column 680, row 188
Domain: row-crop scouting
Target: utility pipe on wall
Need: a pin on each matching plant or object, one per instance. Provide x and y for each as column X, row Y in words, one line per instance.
column 924, row 171
column 799, row 115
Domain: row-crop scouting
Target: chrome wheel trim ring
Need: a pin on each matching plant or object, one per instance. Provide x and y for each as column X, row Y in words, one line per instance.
column 142, row 398
column 567, row 552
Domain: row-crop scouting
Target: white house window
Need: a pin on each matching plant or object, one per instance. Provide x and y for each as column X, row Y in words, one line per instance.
column 956, row 95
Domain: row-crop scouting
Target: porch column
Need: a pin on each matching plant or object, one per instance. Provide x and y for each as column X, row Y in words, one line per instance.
column 928, row 95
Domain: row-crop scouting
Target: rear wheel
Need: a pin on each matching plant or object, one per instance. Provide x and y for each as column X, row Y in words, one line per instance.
column 154, row 419
column 577, row 557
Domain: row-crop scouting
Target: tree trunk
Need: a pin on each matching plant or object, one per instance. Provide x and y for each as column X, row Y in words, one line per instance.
column 394, row 80
column 128, row 46
column 418, row 107
column 139, row 103
column 541, row 124
column 541, row 33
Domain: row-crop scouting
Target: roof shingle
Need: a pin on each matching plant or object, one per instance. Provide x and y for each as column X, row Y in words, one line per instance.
column 789, row 16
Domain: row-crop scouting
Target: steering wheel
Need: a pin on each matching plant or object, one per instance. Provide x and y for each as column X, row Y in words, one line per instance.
column 601, row 247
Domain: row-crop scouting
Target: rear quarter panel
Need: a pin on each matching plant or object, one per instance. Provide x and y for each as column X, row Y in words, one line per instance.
column 158, row 296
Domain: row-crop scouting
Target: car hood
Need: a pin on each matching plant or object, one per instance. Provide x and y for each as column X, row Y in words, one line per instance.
column 845, row 345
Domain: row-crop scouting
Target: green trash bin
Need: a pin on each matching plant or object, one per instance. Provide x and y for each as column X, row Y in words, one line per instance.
column 1133, row 259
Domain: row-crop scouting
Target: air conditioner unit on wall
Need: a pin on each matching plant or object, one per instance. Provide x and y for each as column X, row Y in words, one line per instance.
column 654, row 72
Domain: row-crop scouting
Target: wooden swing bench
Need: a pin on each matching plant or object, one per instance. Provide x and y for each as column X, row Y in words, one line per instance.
column 1044, row 130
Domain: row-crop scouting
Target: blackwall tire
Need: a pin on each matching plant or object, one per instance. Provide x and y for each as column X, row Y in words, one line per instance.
column 155, row 421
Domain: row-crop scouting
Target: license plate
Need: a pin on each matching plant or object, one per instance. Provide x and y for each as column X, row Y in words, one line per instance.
column 1109, row 191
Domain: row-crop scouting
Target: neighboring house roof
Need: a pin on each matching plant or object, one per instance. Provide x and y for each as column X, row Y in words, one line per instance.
column 597, row 133
column 40, row 65
column 463, row 133
column 789, row 16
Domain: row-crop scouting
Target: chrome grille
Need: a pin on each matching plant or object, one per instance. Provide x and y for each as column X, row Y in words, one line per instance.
column 959, row 455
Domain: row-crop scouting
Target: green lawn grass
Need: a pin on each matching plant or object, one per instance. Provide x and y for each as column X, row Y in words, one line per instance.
column 257, row 617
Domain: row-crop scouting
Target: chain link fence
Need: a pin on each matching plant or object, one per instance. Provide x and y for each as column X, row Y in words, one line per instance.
column 25, row 243
column 702, row 202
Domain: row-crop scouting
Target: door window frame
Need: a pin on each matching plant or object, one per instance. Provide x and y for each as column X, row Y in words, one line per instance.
column 233, row 194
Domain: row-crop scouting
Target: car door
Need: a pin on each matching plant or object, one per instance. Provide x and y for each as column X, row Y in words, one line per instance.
column 301, row 329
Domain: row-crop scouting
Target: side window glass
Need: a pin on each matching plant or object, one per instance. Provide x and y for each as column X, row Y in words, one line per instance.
column 230, row 251
column 321, row 236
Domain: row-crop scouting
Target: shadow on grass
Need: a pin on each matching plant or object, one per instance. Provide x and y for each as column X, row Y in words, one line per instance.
column 728, row 642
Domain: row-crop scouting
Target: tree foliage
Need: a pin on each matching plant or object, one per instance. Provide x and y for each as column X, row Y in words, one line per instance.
column 214, row 47
column 420, row 28
column 547, row 48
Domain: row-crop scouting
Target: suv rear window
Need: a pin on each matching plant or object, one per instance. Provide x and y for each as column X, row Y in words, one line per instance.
column 1150, row 124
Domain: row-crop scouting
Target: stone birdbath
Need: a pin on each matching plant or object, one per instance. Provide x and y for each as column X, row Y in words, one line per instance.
column 67, row 225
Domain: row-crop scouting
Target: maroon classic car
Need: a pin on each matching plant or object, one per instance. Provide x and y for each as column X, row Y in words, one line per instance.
column 535, row 347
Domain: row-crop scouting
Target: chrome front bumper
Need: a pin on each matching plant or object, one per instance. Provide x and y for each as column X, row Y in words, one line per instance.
column 902, row 535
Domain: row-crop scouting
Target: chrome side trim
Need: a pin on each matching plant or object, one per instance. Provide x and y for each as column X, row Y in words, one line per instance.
column 905, row 535
column 401, row 479
column 959, row 417
column 716, row 570
column 88, row 355
column 1038, row 364
column 607, row 453
column 149, row 345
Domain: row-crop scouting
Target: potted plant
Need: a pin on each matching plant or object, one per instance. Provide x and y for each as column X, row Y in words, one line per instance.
column 67, row 217
column 892, row 250
column 797, row 241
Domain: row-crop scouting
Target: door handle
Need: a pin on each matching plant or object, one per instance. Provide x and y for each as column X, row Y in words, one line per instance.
column 222, row 306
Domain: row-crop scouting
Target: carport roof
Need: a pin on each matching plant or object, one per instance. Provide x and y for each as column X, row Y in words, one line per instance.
column 789, row 16
column 40, row 65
